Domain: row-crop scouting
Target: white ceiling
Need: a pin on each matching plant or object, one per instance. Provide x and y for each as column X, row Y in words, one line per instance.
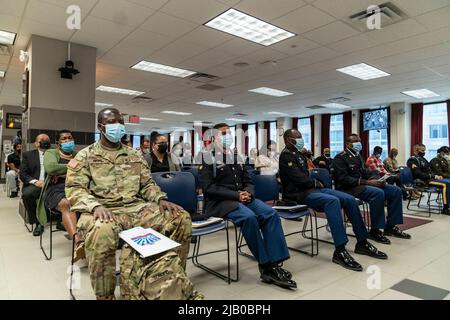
column 415, row 51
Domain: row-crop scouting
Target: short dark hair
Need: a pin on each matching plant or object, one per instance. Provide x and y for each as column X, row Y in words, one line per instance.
column 155, row 137
column 377, row 149
column 288, row 133
column 102, row 112
column 349, row 138
column 220, row 125
column 61, row 132
column 443, row 149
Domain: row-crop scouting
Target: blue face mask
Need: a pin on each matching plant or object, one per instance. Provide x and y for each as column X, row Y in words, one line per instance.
column 227, row 141
column 299, row 144
column 357, row 146
column 68, row 147
column 378, row 156
column 114, row 132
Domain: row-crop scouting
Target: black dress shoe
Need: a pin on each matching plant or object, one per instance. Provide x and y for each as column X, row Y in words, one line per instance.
column 368, row 249
column 38, row 231
column 344, row 259
column 274, row 275
column 378, row 236
column 396, row 232
column 286, row 273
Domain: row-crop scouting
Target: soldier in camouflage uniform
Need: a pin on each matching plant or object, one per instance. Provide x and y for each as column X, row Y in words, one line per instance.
column 440, row 165
column 111, row 186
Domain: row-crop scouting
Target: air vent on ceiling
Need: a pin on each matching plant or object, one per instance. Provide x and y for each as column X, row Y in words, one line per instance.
column 210, row 87
column 203, row 77
column 315, row 107
column 142, row 99
column 240, row 114
column 389, row 13
column 5, row 50
column 339, row 100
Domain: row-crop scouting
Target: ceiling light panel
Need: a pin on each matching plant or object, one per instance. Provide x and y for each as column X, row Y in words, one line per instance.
column 271, row 92
column 215, row 104
column 364, row 72
column 163, row 69
column 177, row 113
column 421, row 94
column 7, row 37
column 250, row 28
column 119, row 91
column 336, row 106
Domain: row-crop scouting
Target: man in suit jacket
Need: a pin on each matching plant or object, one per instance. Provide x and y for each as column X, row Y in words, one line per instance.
column 32, row 174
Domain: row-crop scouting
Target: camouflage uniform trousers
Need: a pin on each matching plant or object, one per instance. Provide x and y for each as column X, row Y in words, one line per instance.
column 158, row 277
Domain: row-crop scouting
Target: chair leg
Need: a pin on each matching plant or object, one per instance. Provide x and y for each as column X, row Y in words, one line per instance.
column 71, row 270
column 25, row 218
column 48, row 256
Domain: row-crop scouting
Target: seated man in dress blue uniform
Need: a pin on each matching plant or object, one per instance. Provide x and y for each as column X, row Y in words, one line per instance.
column 352, row 176
column 298, row 187
column 229, row 193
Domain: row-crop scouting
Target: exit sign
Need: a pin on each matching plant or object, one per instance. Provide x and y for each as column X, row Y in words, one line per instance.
column 135, row 119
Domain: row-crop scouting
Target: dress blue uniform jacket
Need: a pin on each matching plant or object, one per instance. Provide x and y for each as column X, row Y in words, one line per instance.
column 221, row 183
column 294, row 176
column 351, row 173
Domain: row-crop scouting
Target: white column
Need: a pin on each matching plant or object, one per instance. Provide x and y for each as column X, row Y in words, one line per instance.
column 400, row 126
column 283, row 124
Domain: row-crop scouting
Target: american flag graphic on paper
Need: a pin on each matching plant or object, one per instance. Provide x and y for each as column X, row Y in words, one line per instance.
column 146, row 239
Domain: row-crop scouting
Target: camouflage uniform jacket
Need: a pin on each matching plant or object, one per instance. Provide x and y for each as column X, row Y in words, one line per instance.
column 440, row 167
column 119, row 180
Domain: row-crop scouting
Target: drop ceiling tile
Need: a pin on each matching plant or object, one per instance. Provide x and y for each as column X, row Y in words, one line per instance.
column 13, row 8
column 189, row 10
column 355, row 43
column 153, row 4
column 9, row 23
column 417, row 7
column 343, row 9
column 168, row 25
column 295, row 45
column 266, row 10
column 122, row 12
column 207, row 37
column 435, row 19
column 303, row 19
column 331, row 33
column 397, row 31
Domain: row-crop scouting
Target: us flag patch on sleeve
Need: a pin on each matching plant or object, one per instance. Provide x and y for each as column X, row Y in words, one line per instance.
column 73, row 164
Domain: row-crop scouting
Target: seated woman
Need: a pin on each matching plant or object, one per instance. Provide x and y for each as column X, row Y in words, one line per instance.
column 53, row 195
column 159, row 160
column 267, row 161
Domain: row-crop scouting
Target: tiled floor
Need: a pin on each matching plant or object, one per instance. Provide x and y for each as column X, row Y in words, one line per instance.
column 425, row 260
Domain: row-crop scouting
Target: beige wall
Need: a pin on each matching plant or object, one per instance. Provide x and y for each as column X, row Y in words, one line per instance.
column 48, row 90
column 401, row 130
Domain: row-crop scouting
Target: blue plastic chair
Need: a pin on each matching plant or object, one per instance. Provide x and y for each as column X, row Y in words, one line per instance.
column 323, row 175
column 194, row 171
column 181, row 190
column 267, row 189
column 407, row 180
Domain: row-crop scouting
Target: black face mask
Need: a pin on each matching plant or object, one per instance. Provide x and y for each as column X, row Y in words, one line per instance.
column 45, row 144
column 327, row 155
column 162, row 148
column 421, row 154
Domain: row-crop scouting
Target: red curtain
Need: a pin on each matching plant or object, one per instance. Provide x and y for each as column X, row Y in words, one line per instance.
column 326, row 121
column 193, row 143
column 448, row 119
column 295, row 123
column 313, row 140
column 389, row 129
column 245, row 132
column 267, row 128
column 364, row 135
column 416, row 125
column 347, row 124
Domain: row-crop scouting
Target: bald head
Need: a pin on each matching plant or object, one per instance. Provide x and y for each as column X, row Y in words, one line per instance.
column 110, row 115
column 42, row 142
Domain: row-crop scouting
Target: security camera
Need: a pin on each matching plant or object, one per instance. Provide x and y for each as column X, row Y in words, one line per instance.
column 23, row 56
column 68, row 71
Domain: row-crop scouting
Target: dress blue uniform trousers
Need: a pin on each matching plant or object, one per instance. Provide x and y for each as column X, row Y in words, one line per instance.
column 444, row 186
column 376, row 198
column 331, row 202
column 262, row 230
